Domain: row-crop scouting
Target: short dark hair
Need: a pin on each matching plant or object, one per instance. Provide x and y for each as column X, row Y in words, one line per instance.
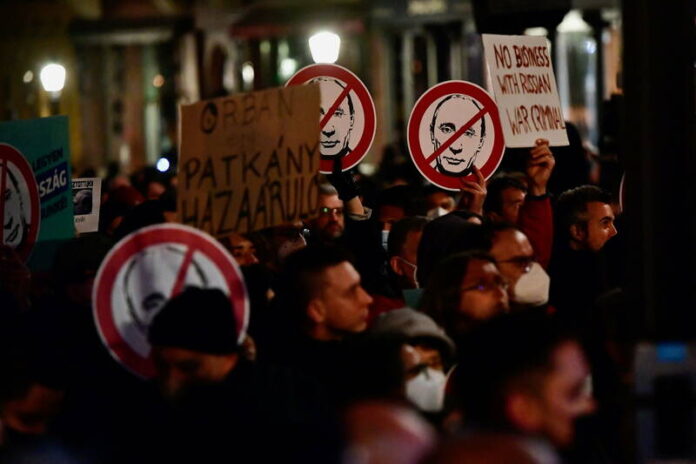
column 498, row 184
column 491, row 229
column 511, row 352
column 405, row 197
column 400, row 230
column 441, row 295
column 445, row 236
column 572, row 205
column 300, row 279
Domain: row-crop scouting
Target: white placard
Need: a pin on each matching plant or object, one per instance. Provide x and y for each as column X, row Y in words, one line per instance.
column 524, row 85
column 86, row 202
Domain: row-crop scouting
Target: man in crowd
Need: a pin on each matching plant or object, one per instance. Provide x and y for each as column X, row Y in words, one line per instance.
column 402, row 251
column 329, row 223
column 505, row 197
column 221, row 405
column 523, row 199
column 321, row 306
column 322, row 289
column 585, row 222
column 516, row 261
column 521, row 374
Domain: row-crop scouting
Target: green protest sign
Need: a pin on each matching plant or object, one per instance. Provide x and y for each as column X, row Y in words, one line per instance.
column 36, row 204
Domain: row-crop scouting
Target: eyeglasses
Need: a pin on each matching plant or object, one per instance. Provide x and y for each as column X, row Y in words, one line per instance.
column 324, row 211
column 487, row 286
column 522, row 262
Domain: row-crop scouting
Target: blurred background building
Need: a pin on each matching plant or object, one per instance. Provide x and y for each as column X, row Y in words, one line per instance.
column 129, row 63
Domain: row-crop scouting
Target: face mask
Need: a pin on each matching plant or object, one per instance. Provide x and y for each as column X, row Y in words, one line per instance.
column 533, row 287
column 414, row 268
column 385, row 239
column 427, row 390
column 436, row 212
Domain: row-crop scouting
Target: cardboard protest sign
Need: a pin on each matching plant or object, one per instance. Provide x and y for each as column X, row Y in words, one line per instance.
column 86, row 202
column 348, row 120
column 44, row 144
column 454, row 126
column 147, row 268
column 249, row 161
column 525, row 89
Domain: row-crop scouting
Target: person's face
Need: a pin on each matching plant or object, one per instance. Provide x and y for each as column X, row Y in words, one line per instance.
column 430, row 356
column 513, row 254
column 389, row 214
column 32, row 413
column 512, row 200
column 405, row 264
column 483, row 292
column 440, row 200
column 600, row 226
column 564, row 397
column 177, row 369
column 343, row 301
column 330, row 221
column 13, row 224
column 459, row 157
column 243, row 250
column 335, row 135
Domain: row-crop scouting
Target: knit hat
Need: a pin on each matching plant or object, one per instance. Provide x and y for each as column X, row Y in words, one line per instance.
column 197, row 319
column 412, row 324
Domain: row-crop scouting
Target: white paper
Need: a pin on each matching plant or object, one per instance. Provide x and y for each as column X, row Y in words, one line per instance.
column 86, row 202
column 524, row 85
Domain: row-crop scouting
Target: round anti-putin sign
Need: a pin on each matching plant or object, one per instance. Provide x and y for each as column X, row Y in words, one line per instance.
column 454, row 126
column 147, row 268
column 20, row 207
column 348, row 121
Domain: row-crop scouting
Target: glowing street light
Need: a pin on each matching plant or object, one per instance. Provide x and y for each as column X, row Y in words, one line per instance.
column 163, row 164
column 53, row 77
column 325, row 47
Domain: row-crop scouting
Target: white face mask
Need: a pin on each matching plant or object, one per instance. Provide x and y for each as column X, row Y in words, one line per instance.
column 414, row 269
column 427, row 390
column 385, row 239
column 533, row 287
column 436, row 212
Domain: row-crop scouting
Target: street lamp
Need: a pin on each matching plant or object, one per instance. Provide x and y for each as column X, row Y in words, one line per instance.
column 53, row 80
column 324, row 47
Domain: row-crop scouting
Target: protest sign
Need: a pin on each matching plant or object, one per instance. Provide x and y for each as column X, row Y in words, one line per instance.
column 19, row 202
column 525, row 89
column 147, row 268
column 348, row 121
column 44, row 144
column 249, row 161
column 454, row 126
column 86, row 202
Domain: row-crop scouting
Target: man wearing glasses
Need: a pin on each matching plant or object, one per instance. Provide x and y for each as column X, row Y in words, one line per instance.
column 516, row 261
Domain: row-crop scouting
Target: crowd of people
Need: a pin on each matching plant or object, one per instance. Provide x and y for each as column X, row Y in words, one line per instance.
column 400, row 324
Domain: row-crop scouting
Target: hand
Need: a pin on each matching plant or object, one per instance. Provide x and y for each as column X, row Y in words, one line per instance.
column 343, row 182
column 539, row 167
column 473, row 193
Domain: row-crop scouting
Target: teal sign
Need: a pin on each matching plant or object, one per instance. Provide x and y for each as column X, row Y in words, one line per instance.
column 44, row 144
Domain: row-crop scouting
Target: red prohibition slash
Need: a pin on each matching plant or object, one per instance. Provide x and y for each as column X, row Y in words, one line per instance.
column 367, row 106
column 9, row 155
column 195, row 242
column 423, row 160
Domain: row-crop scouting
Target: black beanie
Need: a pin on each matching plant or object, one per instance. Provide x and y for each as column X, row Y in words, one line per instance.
column 197, row 319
